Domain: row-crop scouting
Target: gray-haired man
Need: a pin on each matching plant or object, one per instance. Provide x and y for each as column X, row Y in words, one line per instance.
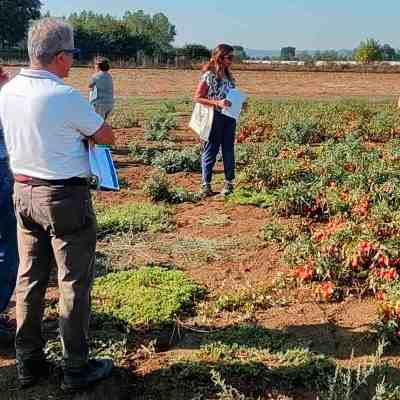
column 46, row 124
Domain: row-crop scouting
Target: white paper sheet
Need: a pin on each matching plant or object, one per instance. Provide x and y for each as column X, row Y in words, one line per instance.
column 237, row 98
column 102, row 165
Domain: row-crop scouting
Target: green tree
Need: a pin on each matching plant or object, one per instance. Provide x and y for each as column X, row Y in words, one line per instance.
column 195, row 51
column 157, row 30
column 98, row 33
column 304, row 56
column 239, row 53
column 388, row 52
column 369, row 50
column 327, row 55
column 288, row 53
column 15, row 16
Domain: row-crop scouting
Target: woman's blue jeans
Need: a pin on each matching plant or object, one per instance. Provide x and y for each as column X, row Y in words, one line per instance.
column 8, row 237
column 222, row 136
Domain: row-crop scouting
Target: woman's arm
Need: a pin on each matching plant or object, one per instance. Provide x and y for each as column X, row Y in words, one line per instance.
column 200, row 96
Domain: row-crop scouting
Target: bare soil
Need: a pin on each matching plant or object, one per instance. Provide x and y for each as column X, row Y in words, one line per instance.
column 163, row 83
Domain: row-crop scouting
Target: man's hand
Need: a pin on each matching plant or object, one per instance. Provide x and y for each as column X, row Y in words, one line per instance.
column 104, row 135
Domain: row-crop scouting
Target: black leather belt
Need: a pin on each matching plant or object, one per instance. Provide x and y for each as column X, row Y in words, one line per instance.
column 29, row 180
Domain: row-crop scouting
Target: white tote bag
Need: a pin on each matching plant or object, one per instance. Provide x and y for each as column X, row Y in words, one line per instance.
column 201, row 121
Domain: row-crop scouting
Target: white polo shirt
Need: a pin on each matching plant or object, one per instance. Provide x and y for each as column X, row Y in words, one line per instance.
column 45, row 122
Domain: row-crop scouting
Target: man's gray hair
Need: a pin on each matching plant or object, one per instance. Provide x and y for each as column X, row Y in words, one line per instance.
column 46, row 37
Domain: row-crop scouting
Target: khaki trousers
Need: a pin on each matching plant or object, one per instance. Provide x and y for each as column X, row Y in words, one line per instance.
column 54, row 222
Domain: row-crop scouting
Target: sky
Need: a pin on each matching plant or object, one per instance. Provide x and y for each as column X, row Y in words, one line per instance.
column 262, row 24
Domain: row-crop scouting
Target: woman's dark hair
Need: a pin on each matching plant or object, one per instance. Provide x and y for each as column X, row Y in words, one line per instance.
column 103, row 63
column 215, row 64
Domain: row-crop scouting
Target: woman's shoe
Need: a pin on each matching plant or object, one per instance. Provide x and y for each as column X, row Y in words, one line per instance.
column 206, row 190
column 227, row 189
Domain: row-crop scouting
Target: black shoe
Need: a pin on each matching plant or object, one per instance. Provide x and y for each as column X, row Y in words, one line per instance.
column 30, row 371
column 79, row 378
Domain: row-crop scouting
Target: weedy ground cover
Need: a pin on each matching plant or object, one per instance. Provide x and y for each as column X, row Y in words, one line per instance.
column 168, row 159
column 151, row 295
column 270, row 359
column 161, row 122
column 159, row 188
column 308, row 120
column 318, row 167
column 134, row 218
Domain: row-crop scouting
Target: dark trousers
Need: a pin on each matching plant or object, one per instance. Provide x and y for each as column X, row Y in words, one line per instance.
column 54, row 221
column 222, row 136
column 8, row 237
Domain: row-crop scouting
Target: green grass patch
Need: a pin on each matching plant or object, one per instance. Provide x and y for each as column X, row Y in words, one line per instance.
column 134, row 218
column 262, row 356
column 244, row 196
column 151, row 295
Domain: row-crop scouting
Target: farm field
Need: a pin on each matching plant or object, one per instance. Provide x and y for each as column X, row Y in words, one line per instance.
column 172, row 83
column 287, row 289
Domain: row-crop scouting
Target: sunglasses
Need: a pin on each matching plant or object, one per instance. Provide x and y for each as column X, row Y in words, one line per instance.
column 230, row 57
column 68, row 51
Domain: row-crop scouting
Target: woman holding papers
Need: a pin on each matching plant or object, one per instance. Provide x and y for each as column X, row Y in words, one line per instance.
column 212, row 91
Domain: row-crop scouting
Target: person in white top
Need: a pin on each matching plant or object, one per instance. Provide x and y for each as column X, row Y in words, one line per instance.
column 46, row 125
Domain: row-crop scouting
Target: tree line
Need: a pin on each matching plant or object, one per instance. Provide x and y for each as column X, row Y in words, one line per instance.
column 369, row 50
column 150, row 35
column 95, row 33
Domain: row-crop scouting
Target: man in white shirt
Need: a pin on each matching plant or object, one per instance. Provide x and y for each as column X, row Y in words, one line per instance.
column 46, row 124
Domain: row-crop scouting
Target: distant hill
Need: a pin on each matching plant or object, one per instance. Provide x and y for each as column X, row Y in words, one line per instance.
column 277, row 53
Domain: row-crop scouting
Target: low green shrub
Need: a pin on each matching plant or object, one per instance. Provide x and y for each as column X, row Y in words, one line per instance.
column 296, row 198
column 145, row 155
column 151, row 295
column 122, row 118
column 167, row 159
column 286, row 232
column 172, row 161
column 161, row 120
column 301, row 131
column 159, row 188
column 382, row 126
column 244, row 153
column 134, row 218
column 158, row 135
